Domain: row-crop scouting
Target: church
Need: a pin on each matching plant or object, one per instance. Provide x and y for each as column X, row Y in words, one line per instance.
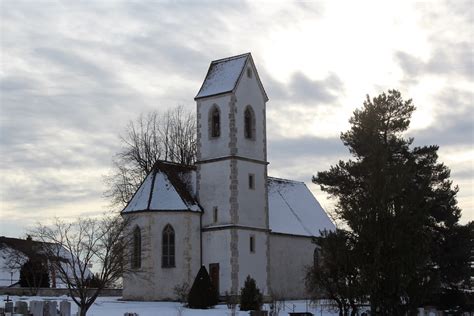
column 224, row 212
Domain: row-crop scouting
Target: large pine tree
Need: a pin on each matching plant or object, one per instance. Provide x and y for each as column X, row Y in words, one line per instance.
column 397, row 200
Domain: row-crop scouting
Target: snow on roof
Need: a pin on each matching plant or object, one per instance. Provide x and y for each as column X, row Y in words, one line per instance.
column 294, row 210
column 168, row 187
column 222, row 75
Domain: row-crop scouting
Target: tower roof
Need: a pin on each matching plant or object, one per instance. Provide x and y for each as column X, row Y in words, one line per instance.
column 168, row 187
column 224, row 74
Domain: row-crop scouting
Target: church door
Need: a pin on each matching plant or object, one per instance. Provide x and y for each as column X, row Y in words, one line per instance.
column 214, row 274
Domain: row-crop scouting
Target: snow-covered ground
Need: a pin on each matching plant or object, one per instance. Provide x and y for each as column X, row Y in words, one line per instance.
column 113, row 306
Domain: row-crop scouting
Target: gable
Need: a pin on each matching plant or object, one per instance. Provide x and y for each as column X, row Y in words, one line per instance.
column 168, row 187
column 224, row 74
column 294, row 210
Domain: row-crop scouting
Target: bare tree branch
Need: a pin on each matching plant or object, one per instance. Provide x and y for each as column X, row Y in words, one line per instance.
column 169, row 136
column 72, row 248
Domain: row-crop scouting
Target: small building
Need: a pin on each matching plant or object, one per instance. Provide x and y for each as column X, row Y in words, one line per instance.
column 15, row 252
column 224, row 212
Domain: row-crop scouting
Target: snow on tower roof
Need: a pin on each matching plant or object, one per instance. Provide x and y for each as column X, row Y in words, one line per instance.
column 294, row 210
column 168, row 187
column 223, row 76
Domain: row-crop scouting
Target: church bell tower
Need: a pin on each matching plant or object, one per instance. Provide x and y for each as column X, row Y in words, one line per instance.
column 232, row 174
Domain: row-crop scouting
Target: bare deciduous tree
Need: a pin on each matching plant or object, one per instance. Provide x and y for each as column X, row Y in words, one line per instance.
column 104, row 242
column 169, row 136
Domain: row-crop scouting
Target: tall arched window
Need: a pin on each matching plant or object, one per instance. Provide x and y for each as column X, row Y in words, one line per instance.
column 316, row 257
column 215, row 122
column 167, row 260
column 249, row 123
column 137, row 248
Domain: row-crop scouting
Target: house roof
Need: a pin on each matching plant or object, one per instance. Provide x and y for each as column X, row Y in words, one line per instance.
column 294, row 210
column 26, row 246
column 168, row 187
column 224, row 74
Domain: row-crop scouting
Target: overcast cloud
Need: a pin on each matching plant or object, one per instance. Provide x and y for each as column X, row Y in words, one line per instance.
column 73, row 74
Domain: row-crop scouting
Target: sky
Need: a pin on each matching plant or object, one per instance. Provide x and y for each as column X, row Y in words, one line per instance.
column 74, row 73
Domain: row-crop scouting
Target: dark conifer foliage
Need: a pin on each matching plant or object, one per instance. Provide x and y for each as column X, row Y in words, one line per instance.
column 399, row 204
column 34, row 274
column 250, row 296
column 202, row 294
column 335, row 275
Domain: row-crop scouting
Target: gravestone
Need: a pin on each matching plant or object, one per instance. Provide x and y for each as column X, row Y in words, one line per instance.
column 8, row 307
column 65, row 308
column 50, row 308
column 21, row 308
column 36, row 308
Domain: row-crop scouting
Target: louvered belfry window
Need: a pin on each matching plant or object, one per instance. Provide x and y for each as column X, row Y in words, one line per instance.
column 168, row 258
column 215, row 123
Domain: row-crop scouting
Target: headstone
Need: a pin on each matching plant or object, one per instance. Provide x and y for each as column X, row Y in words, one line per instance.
column 36, row 308
column 8, row 307
column 50, row 308
column 21, row 307
column 65, row 308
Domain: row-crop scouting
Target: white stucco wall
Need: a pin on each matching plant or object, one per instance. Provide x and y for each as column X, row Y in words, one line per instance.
column 253, row 264
column 248, row 92
column 212, row 147
column 214, row 190
column 251, row 201
column 151, row 281
column 216, row 249
column 289, row 258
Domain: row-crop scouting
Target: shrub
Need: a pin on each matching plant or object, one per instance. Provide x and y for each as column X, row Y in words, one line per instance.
column 181, row 292
column 250, row 296
column 34, row 274
column 203, row 294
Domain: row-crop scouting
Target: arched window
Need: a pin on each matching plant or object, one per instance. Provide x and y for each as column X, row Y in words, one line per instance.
column 215, row 122
column 167, row 260
column 137, row 248
column 249, row 123
column 316, row 257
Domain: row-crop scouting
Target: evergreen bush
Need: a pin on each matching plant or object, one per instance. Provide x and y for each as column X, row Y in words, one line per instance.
column 202, row 295
column 34, row 274
column 250, row 296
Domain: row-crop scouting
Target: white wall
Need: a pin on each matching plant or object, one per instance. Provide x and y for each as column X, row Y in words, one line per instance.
column 214, row 190
column 289, row 258
column 253, row 264
column 216, row 249
column 152, row 282
column 218, row 146
column 251, row 201
column 249, row 93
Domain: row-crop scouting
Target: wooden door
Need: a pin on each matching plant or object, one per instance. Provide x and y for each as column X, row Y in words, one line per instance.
column 214, row 275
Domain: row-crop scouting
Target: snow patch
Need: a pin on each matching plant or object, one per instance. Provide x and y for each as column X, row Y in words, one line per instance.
column 294, row 210
column 222, row 76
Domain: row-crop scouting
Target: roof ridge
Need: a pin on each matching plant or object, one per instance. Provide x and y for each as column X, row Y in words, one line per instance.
column 230, row 58
column 287, row 180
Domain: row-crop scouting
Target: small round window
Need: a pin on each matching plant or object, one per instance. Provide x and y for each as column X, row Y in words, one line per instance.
column 249, row 72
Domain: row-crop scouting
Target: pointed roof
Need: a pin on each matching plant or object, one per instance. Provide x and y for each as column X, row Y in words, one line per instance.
column 168, row 187
column 224, row 74
column 294, row 210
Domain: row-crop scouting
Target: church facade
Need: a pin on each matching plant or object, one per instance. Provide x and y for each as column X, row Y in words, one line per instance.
column 224, row 212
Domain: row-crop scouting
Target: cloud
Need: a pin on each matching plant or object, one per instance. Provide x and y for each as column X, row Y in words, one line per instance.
column 303, row 90
column 453, row 120
column 455, row 60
